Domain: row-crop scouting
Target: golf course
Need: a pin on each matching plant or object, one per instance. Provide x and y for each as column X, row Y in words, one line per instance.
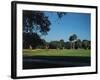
column 56, row 52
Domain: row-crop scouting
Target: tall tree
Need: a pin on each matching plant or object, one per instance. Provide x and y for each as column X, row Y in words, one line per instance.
column 73, row 39
column 78, row 44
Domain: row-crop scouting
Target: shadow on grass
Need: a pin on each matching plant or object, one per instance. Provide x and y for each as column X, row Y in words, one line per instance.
column 39, row 62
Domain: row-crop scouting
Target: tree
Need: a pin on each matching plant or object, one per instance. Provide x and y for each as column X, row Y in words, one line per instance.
column 89, row 44
column 73, row 39
column 78, row 44
column 86, row 44
column 56, row 44
column 61, row 42
column 53, row 44
column 36, row 21
column 32, row 40
column 67, row 45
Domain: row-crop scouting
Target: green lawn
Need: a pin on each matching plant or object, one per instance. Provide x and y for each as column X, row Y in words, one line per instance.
column 55, row 52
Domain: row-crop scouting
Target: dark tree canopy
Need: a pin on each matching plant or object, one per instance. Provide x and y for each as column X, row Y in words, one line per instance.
column 32, row 40
column 86, row 44
column 73, row 37
column 78, row 44
column 68, row 45
column 36, row 21
column 54, row 44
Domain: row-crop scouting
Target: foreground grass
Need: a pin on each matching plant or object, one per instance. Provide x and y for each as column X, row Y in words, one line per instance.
column 55, row 52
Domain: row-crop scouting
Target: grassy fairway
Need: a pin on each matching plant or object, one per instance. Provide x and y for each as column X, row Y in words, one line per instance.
column 55, row 52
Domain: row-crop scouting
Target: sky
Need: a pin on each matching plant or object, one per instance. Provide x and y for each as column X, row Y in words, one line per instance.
column 71, row 23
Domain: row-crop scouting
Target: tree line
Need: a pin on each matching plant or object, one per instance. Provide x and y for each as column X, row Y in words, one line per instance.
column 35, row 41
